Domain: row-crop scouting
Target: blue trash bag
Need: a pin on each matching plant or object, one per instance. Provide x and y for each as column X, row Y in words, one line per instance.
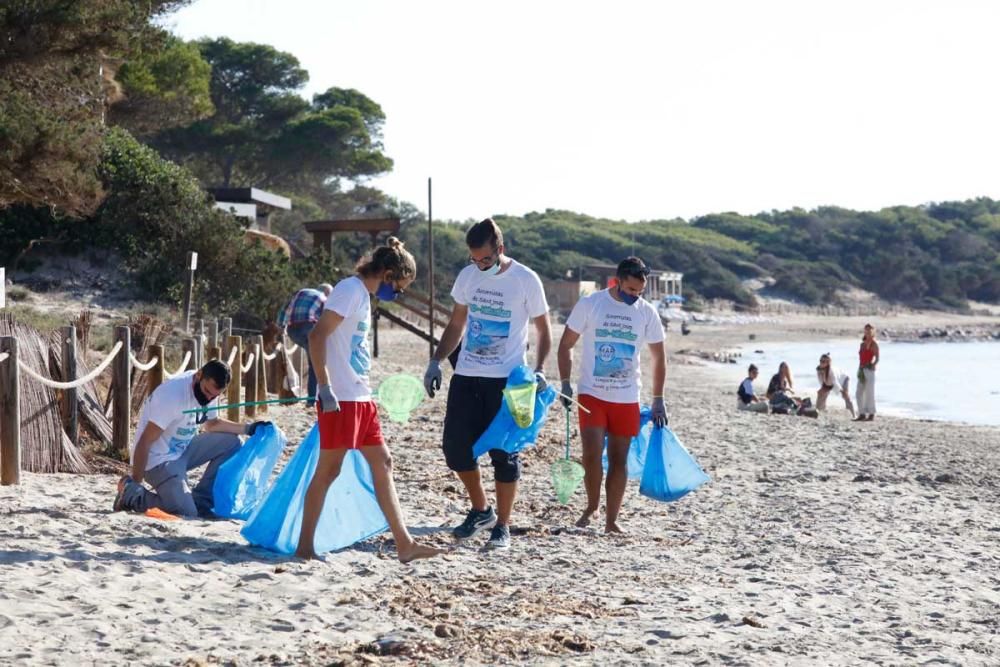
column 350, row 513
column 637, row 448
column 670, row 472
column 242, row 480
column 503, row 433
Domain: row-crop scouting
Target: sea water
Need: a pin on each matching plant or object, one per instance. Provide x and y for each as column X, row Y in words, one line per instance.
column 957, row 382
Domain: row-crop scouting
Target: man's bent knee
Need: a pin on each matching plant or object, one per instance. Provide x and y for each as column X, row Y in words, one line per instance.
column 506, row 466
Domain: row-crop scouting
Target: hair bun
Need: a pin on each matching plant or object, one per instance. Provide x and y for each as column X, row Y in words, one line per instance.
column 394, row 243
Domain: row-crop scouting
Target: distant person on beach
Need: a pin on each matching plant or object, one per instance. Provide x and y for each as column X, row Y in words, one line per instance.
column 496, row 298
column 781, row 395
column 297, row 320
column 868, row 358
column 746, row 398
column 168, row 445
column 829, row 379
column 614, row 324
column 348, row 418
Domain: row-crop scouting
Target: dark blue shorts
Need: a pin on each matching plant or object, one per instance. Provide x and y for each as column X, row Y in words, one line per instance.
column 473, row 402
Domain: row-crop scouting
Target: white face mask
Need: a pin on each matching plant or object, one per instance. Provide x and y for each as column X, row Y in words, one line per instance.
column 493, row 270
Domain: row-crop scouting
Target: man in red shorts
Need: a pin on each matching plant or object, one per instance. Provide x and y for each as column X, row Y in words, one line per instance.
column 614, row 323
column 348, row 418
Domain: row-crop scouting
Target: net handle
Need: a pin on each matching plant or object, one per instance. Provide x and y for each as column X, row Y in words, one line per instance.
column 567, row 434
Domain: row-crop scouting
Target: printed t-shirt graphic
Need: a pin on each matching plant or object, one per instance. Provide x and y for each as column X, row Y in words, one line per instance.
column 496, row 329
column 348, row 360
column 613, row 334
column 165, row 407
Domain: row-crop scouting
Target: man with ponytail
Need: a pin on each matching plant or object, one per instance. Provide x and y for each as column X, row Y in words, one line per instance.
column 495, row 299
column 348, row 418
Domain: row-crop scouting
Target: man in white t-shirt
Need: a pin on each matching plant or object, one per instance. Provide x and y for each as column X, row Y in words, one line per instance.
column 614, row 324
column 495, row 300
column 167, row 445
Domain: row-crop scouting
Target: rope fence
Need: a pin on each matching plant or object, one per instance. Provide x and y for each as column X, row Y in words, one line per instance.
column 79, row 381
column 142, row 366
column 248, row 365
column 181, row 369
column 256, row 379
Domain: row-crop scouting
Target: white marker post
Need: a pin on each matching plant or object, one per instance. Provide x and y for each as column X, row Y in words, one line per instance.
column 189, row 291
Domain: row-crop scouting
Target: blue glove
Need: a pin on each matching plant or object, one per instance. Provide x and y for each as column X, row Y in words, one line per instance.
column 567, row 391
column 432, row 377
column 251, row 428
column 542, row 385
column 659, row 412
column 327, row 399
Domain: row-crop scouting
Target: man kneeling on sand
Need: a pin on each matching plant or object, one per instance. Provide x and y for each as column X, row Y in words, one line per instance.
column 167, row 445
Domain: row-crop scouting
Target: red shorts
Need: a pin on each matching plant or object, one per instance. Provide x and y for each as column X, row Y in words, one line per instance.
column 620, row 419
column 355, row 425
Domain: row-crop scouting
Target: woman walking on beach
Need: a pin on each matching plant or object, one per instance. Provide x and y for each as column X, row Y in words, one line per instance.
column 868, row 355
column 348, row 418
column 830, row 379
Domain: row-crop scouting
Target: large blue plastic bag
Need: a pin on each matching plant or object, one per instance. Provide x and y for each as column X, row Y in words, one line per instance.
column 503, row 433
column 670, row 472
column 637, row 448
column 242, row 480
column 350, row 513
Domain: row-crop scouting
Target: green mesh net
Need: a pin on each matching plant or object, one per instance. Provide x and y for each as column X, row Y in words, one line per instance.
column 521, row 403
column 399, row 395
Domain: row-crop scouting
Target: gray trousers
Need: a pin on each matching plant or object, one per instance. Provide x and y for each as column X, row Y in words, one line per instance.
column 171, row 492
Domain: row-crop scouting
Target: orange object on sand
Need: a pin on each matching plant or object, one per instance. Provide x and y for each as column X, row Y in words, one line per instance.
column 157, row 513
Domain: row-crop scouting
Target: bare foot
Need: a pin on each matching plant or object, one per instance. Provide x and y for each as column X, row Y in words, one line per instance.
column 612, row 528
column 585, row 518
column 860, row 418
column 305, row 554
column 871, row 418
column 417, row 551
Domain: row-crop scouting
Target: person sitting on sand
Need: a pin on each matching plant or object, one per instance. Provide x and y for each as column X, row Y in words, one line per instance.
column 610, row 380
column 168, row 445
column 780, row 391
column 747, row 399
column 868, row 358
column 830, row 379
column 348, row 418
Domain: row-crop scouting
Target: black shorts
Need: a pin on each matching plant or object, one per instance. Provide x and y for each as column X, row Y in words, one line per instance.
column 473, row 403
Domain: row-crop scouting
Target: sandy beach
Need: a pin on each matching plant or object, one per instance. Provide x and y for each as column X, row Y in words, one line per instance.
column 817, row 542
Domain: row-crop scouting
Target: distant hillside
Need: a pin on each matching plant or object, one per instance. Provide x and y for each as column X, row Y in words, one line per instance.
column 933, row 256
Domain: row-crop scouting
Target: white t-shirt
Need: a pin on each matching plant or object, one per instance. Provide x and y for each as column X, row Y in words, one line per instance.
column 496, row 328
column 348, row 360
column 613, row 333
column 165, row 407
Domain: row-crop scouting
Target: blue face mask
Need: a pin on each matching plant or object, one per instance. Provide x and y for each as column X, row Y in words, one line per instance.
column 627, row 299
column 386, row 292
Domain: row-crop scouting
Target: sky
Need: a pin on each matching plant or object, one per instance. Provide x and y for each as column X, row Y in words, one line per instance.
column 654, row 110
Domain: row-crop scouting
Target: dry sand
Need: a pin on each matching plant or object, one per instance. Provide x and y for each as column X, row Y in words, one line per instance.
column 817, row 542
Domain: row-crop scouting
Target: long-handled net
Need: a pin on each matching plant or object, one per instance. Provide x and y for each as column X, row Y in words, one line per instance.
column 566, row 473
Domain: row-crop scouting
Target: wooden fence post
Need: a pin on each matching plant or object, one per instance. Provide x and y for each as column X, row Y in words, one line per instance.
column 262, row 375
column 213, row 333
column 252, row 382
column 156, row 373
column 214, row 352
column 71, row 409
column 122, row 414
column 192, row 258
column 233, row 391
column 279, row 372
column 227, row 327
column 199, row 344
column 10, row 414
